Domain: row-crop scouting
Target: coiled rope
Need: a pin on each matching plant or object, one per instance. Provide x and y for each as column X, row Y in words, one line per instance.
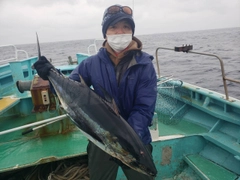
column 62, row 170
column 73, row 172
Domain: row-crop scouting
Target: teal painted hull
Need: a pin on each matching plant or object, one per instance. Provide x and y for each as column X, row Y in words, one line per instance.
column 196, row 132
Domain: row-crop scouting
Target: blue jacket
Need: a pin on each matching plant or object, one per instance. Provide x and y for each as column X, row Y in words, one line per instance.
column 136, row 94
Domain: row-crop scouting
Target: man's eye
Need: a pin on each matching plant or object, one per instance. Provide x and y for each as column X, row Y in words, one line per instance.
column 112, row 27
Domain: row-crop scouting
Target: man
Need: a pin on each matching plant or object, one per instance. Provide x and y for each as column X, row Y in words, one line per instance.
column 128, row 75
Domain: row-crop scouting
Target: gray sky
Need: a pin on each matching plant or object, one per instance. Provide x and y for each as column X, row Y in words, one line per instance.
column 62, row 20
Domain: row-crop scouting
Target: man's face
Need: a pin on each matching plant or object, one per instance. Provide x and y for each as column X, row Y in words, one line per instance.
column 121, row 27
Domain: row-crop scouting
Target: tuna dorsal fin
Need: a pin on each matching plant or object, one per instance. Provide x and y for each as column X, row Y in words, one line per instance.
column 109, row 100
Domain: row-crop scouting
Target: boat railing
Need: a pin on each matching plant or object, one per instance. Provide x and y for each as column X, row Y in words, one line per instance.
column 16, row 53
column 188, row 49
column 94, row 46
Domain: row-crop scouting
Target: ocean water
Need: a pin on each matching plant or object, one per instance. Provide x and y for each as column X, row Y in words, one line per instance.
column 196, row 69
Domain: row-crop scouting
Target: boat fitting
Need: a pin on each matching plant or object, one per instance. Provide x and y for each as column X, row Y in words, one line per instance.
column 23, row 86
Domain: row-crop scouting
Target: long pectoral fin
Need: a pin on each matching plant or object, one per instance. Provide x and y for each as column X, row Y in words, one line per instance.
column 109, row 100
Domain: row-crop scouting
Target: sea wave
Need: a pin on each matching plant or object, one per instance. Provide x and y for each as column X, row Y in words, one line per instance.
column 193, row 68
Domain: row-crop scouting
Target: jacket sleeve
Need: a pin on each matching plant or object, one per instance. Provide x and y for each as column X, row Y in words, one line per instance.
column 82, row 70
column 145, row 99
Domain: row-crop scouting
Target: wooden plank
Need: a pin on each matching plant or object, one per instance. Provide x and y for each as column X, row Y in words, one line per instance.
column 7, row 102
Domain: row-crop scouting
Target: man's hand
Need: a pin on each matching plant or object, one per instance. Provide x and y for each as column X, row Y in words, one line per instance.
column 43, row 67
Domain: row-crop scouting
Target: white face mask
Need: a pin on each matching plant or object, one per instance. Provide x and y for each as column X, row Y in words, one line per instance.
column 119, row 42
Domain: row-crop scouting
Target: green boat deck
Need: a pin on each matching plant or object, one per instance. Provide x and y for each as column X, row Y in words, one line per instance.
column 58, row 141
column 177, row 148
column 207, row 169
column 40, row 146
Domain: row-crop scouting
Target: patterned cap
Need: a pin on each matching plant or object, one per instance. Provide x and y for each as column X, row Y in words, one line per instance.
column 111, row 19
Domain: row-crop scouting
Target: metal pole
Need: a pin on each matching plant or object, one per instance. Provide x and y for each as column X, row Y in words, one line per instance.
column 34, row 124
column 224, row 78
column 38, row 127
column 156, row 54
column 222, row 69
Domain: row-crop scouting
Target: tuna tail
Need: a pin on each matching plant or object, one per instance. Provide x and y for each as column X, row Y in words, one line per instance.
column 38, row 47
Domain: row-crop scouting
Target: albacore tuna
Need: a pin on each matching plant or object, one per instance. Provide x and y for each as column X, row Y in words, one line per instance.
column 100, row 122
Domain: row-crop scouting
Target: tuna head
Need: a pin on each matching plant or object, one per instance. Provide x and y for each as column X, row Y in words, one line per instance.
column 145, row 165
column 141, row 158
